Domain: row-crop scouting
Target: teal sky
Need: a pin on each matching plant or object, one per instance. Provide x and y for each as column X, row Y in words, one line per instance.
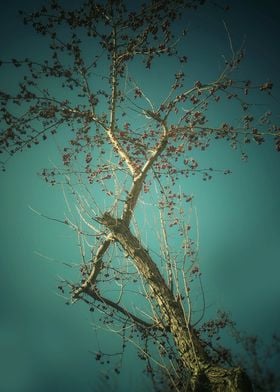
column 44, row 344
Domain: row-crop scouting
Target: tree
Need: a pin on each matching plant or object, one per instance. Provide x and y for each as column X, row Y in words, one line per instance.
column 127, row 148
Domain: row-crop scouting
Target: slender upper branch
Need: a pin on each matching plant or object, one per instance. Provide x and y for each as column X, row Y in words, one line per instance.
column 111, row 130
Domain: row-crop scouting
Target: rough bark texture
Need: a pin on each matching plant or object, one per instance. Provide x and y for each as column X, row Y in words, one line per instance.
column 226, row 380
column 204, row 376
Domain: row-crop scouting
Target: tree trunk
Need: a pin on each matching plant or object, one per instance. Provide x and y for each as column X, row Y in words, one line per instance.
column 204, row 376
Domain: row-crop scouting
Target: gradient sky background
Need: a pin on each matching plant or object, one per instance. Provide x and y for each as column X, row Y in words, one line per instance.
column 45, row 345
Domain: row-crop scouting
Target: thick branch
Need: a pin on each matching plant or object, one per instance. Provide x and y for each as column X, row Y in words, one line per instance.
column 136, row 188
column 205, row 376
column 191, row 352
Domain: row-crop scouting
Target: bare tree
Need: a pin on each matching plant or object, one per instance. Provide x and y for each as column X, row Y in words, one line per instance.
column 126, row 154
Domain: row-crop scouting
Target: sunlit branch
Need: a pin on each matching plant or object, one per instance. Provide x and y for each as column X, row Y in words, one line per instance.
column 111, row 130
column 139, row 180
column 97, row 264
